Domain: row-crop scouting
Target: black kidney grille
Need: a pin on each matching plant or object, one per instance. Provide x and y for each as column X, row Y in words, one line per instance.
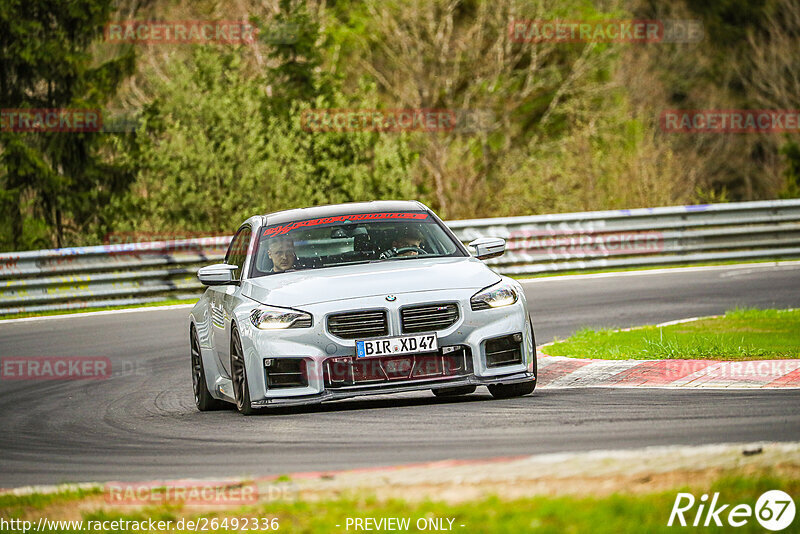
column 429, row 318
column 359, row 325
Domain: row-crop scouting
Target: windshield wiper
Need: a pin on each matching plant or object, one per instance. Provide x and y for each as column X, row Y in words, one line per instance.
column 410, row 257
column 359, row 262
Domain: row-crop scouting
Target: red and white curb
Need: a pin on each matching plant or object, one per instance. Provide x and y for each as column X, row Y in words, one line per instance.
column 560, row 371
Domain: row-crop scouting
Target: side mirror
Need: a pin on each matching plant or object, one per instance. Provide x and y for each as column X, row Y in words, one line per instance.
column 488, row 247
column 218, row 274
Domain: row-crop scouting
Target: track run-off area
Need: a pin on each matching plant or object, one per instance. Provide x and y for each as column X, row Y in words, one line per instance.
column 141, row 423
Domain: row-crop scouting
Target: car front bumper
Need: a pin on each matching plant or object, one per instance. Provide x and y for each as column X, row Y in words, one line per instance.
column 316, row 345
column 395, row 387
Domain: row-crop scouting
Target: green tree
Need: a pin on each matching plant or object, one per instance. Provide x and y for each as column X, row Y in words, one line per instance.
column 216, row 148
column 51, row 181
column 791, row 150
column 298, row 71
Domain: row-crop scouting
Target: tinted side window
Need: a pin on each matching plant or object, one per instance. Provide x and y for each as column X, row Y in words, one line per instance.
column 237, row 252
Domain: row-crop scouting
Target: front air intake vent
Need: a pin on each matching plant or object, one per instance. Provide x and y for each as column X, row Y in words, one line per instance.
column 506, row 350
column 285, row 373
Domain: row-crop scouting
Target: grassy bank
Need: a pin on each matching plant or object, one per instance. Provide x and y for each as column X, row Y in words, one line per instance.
column 742, row 334
column 612, row 514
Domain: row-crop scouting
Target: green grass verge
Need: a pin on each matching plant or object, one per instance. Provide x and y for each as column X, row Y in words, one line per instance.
column 649, row 268
column 16, row 505
column 617, row 513
column 99, row 308
column 742, row 334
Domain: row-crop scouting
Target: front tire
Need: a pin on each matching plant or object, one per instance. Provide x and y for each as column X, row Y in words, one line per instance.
column 241, row 388
column 202, row 397
column 507, row 391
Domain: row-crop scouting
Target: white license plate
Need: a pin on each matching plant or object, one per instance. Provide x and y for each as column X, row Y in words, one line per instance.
column 390, row 346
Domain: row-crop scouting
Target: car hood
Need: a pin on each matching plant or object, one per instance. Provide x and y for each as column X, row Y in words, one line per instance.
column 357, row 281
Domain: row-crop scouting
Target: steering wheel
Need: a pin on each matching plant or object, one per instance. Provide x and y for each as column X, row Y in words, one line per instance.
column 392, row 252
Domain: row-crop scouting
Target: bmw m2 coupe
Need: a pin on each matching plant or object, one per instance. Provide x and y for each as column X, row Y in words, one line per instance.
column 369, row 298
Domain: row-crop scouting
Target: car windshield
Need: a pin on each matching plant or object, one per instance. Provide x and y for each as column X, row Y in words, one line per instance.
column 350, row 239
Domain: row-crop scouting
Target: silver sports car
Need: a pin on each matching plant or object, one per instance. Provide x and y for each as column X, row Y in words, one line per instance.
column 369, row 298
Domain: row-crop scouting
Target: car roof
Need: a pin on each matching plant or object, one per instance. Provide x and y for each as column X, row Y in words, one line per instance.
column 350, row 208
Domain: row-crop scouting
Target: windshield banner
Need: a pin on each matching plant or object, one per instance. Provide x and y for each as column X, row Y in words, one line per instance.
column 286, row 228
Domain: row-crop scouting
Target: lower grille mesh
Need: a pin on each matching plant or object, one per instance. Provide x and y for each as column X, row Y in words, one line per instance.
column 344, row 371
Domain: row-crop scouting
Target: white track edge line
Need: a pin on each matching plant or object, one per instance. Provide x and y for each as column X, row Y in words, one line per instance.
column 96, row 313
column 667, row 270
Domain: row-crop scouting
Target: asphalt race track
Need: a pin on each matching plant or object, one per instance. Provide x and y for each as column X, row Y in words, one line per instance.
column 141, row 423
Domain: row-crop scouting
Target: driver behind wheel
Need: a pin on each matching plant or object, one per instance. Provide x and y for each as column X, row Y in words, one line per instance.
column 407, row 242
column 281, row 252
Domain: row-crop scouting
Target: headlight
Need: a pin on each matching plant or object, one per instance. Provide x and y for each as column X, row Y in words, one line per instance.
column 500, row 294
column 269, row 318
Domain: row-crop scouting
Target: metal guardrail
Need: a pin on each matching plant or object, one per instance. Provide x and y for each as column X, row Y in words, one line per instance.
column 135, row 273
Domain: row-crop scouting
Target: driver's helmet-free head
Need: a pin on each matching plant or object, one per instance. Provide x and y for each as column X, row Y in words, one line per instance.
column 407, row 241
column 281, row 251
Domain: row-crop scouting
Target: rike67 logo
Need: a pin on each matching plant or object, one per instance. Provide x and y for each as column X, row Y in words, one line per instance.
column 774, row 510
